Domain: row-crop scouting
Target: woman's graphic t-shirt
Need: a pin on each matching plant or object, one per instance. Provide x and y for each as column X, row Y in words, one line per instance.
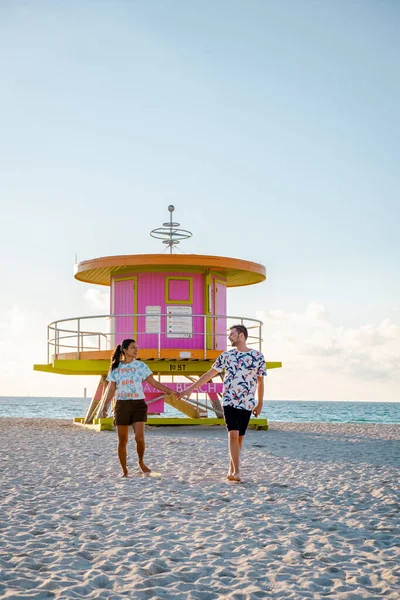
column 241, row 372
column 128, row 378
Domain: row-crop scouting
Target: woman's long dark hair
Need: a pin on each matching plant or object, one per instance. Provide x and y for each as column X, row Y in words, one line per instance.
column 116, row 357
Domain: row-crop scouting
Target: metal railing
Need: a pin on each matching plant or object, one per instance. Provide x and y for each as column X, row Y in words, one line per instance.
column 76, row 334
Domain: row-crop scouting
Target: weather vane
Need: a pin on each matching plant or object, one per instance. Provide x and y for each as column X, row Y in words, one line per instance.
column 169, row 232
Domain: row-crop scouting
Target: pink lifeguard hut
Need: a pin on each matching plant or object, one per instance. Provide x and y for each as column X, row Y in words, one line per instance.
column 175, row 307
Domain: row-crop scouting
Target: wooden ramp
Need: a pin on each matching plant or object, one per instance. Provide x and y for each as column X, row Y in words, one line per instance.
column 182, row 406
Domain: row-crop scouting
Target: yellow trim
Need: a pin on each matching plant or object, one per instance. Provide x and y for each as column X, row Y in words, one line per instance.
column 101, row 367
column 51, row 369
column 208, row 309
column 215, row 280
column 135, row 298
column 177, row 278
column 107, row 424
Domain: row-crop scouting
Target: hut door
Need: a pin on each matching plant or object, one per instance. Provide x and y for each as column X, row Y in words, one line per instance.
column 220, row 312
column 124, row 300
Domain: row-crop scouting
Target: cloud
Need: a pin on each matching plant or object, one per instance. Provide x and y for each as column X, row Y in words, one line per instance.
column 97, row 299
column 12, row 329
column 310, row 341
column 12, row 322
column 23, row 343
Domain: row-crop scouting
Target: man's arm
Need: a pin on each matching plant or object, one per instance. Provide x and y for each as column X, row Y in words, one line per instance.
column 260, row 396
column 159, row 386
column 203, row 379
column 112, row 386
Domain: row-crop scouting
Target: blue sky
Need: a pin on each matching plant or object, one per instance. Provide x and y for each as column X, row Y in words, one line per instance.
column 273, row 127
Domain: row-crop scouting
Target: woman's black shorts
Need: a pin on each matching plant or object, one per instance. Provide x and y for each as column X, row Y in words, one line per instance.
column 127, row 412
column 236, row 419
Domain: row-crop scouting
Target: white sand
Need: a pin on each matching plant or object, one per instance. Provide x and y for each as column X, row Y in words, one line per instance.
column 317, row 515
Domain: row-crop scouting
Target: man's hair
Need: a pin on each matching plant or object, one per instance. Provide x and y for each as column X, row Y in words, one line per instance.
column 240, row 329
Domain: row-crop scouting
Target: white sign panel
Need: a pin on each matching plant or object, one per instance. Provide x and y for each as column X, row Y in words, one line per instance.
column 179, row 321
column 153, row 319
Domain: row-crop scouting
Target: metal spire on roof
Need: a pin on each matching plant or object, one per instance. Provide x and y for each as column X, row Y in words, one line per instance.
column 169, row 232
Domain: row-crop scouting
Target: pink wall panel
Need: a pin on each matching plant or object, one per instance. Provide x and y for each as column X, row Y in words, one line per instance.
column 157, row 406
column 151, row 292
column 123, row 298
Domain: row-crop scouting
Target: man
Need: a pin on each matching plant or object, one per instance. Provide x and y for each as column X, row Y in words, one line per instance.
column 244, row 373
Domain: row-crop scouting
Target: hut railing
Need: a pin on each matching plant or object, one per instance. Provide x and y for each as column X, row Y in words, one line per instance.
column 76, row 334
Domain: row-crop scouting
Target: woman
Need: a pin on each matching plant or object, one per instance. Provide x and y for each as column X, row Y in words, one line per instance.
column 125, row 383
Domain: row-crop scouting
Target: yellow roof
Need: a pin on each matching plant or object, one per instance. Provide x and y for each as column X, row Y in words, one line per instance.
column 237, row 272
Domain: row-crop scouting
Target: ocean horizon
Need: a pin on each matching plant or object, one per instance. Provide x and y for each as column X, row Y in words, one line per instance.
column 293, row 411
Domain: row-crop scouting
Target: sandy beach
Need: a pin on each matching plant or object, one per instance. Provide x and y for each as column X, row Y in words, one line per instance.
column 316, row 516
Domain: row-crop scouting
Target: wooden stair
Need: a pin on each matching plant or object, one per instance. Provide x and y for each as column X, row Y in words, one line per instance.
column 182, row 406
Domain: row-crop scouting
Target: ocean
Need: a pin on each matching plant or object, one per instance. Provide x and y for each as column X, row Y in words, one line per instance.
column 274, row 410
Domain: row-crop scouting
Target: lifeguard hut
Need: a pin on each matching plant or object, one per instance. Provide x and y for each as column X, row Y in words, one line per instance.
column 175, row 307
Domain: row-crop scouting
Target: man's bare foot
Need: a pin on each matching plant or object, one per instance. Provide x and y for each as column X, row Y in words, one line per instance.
column 124, row 473
column 233, row 477
column 144, row 468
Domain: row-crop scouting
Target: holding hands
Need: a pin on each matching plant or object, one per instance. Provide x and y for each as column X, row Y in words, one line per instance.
column 186, row 393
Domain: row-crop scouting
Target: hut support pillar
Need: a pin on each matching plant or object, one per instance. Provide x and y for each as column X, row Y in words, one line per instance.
column 216, row 404
column 102, row 386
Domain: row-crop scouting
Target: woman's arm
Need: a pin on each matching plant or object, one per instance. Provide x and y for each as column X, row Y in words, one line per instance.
column 159, row 386
column 112, row 386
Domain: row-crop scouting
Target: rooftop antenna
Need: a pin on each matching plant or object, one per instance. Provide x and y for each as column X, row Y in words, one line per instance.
column 169, row 232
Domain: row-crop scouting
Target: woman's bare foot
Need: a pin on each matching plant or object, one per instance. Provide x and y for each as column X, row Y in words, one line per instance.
column 143, row 467
column 234, row 477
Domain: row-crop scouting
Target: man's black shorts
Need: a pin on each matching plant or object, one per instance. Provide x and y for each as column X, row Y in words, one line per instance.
column 236, row 419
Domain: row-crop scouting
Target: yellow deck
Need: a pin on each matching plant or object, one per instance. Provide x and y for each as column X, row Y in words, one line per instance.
column 107, row 424
column 165, row 367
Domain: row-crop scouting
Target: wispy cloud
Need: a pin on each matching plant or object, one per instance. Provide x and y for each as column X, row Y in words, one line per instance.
column 310, row 341
column 12, row 327
column 23, row 343
column 98, row 300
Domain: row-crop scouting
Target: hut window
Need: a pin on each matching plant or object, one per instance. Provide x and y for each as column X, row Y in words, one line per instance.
column 179, row 290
